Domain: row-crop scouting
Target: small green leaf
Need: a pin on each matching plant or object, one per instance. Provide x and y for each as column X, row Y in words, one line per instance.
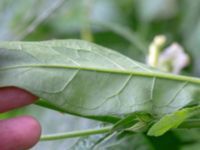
column 172, row 120
column 132, row 122
column 125, row 122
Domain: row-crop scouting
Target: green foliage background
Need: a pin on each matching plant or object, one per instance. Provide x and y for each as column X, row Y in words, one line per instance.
column 127, row 26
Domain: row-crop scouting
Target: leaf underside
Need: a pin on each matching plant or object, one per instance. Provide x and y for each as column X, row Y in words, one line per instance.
column 89, row 80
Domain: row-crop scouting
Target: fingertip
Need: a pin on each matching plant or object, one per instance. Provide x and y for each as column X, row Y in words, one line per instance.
column 19, row 133
column 13, row 97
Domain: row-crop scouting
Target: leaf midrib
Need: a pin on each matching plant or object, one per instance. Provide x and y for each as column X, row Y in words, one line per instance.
column 128, row 72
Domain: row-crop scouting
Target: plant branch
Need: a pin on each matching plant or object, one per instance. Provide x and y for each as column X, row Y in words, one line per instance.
column 75, row 134
column 194, row 123
column 86, row 32
column 126, row 33
column 44, row 15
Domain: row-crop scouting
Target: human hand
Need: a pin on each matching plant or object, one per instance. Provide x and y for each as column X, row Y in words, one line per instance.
column 18, row 133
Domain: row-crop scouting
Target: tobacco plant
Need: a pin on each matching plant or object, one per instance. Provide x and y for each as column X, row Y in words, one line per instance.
column 91, row 81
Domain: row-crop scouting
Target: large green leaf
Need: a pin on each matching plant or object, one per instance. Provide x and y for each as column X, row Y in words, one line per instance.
column 86, row 79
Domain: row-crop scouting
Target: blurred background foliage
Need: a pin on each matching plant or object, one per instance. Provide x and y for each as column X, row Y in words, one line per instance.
column 128, row 26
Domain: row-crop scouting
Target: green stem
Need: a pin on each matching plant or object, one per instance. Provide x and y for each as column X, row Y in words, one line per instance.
column 75, row 134
column 86, row 32
column 126, row 33
column 187, row 124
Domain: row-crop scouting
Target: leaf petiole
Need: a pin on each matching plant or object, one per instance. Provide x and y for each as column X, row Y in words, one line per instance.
column 58, row 136
column 75, row 134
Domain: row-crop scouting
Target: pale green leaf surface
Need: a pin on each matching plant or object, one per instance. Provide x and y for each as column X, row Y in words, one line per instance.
column 171, row 121
column 90, row 80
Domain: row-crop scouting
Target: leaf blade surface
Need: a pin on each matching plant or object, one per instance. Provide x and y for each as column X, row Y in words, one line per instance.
column 90, row 80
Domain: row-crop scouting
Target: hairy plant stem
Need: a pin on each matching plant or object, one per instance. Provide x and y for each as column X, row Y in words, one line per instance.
column 75, row 134
column 194, row 123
